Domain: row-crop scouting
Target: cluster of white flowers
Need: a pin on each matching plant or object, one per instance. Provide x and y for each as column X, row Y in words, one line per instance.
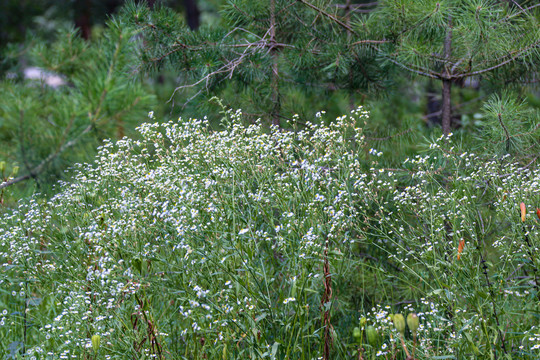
column 187, row 232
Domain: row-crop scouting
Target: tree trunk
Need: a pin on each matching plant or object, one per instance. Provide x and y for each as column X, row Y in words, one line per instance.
column 192, row 14
column 447, row 83
column 82, row 12
column 349, row 35
column 275, row 70
column 446, row 106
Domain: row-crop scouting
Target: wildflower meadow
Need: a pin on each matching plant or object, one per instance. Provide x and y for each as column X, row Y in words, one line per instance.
column 265, row 243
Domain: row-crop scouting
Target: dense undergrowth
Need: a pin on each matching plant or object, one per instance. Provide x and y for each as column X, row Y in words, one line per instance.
column 247, row 244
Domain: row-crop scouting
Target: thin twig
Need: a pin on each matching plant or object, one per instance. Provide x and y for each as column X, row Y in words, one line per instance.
column 35, row 171
column 521, row 11
column 519, row 169
column 494, row 67
column 507, row 134
column 370, row 42
column 328, row 15
column 429, row 73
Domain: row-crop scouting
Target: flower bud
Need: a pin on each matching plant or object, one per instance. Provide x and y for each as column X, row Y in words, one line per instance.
column 399, row 323
column 523, row 211
column 356, row 333
column 2, row 166
column 413, row 322
column 372, row 336
column 96, row 339
column 459, row 251
column 363, row 321
column 15, row 171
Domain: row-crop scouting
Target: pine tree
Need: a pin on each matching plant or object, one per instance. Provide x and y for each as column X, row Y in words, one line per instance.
column 268, row 51
column 265, row 52
column 455, row 40
column 45, row 129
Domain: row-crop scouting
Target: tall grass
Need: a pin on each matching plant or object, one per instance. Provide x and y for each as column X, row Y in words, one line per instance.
column 249, row 243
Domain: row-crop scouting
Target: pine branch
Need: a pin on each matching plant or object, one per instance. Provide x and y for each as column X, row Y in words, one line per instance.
column 370, row 42
column 437, row 8
column 204, row 46
column 494, row 67
column 39, row 168
column 521, row 11
column 241, row 11
column 358, row 8
column 229, row 67
column 328, row 15
column 459, row 62
column 425, row 72
column 515, row 3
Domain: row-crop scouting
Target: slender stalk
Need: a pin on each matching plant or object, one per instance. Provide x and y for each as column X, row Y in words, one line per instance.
column 405, row 347
column 492, row 294
column 326, row 298
column 531, row 258
column 506, row 133
column 24, row 316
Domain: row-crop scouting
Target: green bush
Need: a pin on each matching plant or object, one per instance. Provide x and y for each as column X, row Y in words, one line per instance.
column 248, row 243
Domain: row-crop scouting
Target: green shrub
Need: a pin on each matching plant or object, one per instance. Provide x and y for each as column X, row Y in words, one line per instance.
column 246, row 243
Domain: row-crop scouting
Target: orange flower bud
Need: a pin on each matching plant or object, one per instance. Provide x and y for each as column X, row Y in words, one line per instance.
column 460, row 248
column 523, row 211
column 538, row 213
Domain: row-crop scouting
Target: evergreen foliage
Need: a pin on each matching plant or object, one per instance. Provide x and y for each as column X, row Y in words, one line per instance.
column 44, row 129
column 452, row 41
column 265, row 52
column 511, row 127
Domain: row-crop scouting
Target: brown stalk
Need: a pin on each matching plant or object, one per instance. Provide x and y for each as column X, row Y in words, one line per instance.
column 326, row 298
